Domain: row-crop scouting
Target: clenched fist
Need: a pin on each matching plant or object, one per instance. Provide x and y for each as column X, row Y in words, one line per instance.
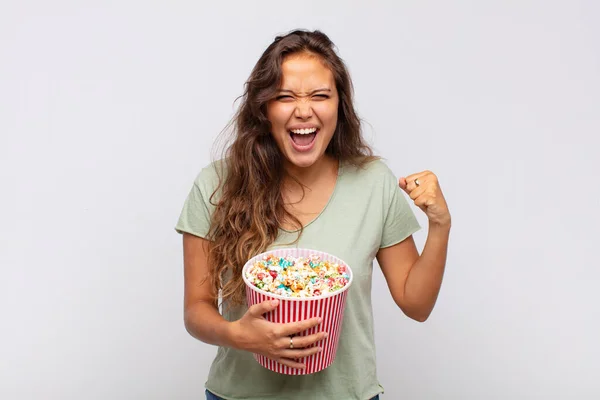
column 424, row 189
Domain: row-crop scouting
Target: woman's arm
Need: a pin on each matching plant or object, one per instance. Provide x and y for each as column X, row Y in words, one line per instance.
column 415, row 281
column 201, row 314
column 252, row 332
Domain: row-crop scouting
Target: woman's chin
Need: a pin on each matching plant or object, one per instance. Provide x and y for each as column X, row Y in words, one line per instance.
column 302, row 160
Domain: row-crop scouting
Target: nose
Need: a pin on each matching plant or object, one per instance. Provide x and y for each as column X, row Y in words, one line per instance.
column 303, row 109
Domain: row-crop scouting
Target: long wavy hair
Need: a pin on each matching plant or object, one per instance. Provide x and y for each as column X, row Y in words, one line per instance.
column 249, row 205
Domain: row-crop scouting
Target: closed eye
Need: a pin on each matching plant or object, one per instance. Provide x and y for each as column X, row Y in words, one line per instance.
column 284, row 97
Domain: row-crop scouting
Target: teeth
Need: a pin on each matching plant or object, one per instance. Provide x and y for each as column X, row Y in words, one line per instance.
column 304, row 131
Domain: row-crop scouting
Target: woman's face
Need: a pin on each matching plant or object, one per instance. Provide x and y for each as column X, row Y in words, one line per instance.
column 304, row 112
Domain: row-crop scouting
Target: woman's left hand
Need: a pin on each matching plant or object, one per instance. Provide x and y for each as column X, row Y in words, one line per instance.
column 424, row 189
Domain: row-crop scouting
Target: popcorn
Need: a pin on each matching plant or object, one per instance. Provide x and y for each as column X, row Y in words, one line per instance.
column 297, row 277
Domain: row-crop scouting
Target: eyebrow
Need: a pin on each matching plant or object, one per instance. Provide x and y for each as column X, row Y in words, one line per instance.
column 312, row 92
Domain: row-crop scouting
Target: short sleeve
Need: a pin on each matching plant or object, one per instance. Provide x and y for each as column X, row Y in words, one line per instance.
column 400, row 221
column 195, row 217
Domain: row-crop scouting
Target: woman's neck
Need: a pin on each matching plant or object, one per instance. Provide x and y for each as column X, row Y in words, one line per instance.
column 311, row 175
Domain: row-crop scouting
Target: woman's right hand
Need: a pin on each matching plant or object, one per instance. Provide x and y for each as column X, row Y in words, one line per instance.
column 254, row 333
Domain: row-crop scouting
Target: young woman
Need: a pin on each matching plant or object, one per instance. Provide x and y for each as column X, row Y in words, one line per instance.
column 299, row 173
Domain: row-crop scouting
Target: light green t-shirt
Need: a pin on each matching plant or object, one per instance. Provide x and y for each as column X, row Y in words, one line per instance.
column 366, row 212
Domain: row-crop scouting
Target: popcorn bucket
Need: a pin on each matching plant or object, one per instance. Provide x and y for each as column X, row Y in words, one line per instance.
column 329, row 307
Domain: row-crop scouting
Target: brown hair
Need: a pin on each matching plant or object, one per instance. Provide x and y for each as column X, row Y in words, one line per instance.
column 249, row 209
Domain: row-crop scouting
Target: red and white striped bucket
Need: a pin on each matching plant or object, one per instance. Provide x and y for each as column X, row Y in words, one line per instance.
column 329, row 307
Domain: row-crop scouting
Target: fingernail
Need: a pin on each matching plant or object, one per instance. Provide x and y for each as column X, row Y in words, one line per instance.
column 326, row 334
column 320, row 320
column 320, row 350
column 274, row 302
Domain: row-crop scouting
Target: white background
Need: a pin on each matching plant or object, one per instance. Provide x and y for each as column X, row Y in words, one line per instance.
column 108, row 110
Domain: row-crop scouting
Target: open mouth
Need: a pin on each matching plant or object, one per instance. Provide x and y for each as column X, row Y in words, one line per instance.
column 303, row 138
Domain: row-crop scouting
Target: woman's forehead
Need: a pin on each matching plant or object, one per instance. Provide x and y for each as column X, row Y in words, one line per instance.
column 304, row 73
